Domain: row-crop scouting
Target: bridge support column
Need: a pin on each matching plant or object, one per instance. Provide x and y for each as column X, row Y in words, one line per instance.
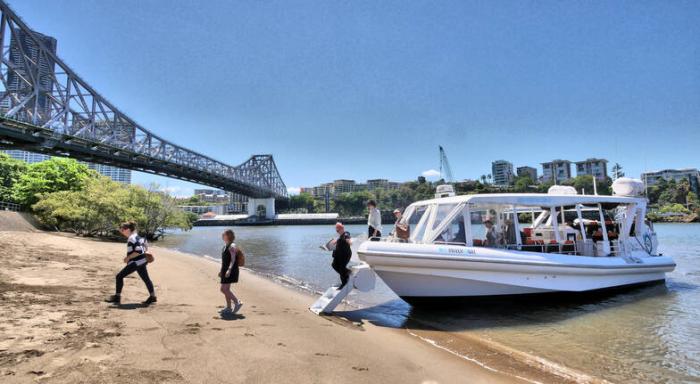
column 257, row 206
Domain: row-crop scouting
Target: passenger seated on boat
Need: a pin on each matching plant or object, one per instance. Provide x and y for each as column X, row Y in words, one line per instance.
column 461, row 235
column 509, row 235
column 490, row 235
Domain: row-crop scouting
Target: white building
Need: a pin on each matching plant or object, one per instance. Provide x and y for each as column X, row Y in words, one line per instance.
column 502, row 172
column 556, row 171
column 690, row 174
column 117, row 174
column 27, row 157
column 597, row 168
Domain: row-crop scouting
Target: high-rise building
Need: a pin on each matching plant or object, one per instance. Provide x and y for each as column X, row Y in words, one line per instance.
column 527, row 171
column 597, row 168
column 117, row 174
column 502, row 172
column 343, row 186
column 27, row 157
column 41, row 66
column 556, row 171
column 379, row 184
column 690, row 174
column 114, row 173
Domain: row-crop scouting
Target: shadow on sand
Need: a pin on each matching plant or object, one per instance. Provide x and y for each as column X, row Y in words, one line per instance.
column 130, row 306
column 232, row 316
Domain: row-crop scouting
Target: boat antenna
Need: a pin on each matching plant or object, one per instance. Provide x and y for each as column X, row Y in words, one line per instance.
column 445, row 170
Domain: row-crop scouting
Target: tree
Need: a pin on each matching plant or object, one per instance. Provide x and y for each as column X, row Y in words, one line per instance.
column 96, row 210
column 585, row 183
column 303, row 201
column 523, row 183
column 53, row 175
column 353, row 203
column 10, row 172
column 155, row 211
column 103, row 204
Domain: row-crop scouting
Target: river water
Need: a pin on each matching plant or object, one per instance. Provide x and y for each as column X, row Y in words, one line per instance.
column 649, row 334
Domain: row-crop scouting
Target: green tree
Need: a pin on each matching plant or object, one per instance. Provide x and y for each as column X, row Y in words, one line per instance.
column 103, row 204
column 154, row 211
column 523, row 183
column 53, row 175
column 10, row 172
column 585, row 183
column 302, row 201
column 96, row 210
column 353, row 203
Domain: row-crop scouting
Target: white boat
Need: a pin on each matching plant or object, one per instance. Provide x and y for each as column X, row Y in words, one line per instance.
column 554, row 242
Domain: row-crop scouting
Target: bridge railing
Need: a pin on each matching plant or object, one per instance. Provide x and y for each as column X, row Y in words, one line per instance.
column 38, row 88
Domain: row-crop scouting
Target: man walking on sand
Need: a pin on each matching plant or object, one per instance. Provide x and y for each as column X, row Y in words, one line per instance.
column 374, row 221
column 342, row 254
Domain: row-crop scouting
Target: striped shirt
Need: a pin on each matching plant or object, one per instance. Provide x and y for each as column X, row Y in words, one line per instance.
column 136, row 243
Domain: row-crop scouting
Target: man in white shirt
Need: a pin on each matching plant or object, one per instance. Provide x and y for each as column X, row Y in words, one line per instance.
column 374, row 221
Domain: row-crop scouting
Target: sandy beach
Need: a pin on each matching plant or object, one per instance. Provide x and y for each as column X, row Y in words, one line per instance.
column 55, row 327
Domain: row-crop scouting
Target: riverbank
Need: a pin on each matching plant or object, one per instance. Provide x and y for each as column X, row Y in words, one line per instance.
column 55, row 327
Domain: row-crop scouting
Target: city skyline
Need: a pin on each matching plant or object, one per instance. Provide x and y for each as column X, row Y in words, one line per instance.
column 378, row 80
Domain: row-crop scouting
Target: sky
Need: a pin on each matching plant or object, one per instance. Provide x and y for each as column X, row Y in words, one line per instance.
column 370, row 89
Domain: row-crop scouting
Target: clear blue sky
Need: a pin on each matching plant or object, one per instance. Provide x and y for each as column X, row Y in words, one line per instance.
column 369, row 89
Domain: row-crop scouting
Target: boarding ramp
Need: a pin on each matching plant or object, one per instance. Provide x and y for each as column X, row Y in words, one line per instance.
column 362, row 278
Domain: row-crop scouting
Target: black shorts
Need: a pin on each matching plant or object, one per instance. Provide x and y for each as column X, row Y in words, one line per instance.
column 370, row 232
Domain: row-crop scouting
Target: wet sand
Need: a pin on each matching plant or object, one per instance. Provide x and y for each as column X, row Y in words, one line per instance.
column 55, row 328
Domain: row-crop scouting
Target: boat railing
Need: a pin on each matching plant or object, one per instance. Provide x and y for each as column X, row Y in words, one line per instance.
column 568, row 247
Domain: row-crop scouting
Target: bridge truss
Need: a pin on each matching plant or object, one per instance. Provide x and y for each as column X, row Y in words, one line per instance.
column 46, row 107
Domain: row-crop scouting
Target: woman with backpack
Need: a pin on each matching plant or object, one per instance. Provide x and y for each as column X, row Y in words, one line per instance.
column 231, row 259
column 136, row 261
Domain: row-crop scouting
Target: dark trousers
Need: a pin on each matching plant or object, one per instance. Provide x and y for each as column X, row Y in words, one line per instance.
column 371, row 236
column 340, row 265
column 131, row 268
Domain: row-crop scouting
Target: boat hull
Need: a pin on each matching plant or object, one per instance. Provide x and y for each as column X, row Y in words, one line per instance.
column 416, row 271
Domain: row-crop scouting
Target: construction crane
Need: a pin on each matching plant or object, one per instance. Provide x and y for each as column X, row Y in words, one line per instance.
column 445, row 170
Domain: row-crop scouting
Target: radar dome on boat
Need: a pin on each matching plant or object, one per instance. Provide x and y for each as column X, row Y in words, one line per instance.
column 626, row 186
column 561, row 190
column 444, row 190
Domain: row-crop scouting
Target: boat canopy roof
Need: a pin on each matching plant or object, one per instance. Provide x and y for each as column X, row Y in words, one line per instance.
column 534, row 200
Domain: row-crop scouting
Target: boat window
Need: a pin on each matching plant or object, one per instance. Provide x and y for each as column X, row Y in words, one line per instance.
column 481, row 236
column 417, row 222
column 454, row 233
column 442, row 211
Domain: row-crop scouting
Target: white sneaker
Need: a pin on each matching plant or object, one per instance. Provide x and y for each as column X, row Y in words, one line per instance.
column 237, row 307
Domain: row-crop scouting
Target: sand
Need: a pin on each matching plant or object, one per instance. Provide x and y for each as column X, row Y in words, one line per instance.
column 54, row 327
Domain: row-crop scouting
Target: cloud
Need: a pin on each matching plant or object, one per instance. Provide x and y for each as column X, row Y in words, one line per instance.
column 293, row 190
column 177, row 191
column 431, row 174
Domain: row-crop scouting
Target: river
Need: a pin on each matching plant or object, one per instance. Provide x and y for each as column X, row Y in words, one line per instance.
column 649, row 334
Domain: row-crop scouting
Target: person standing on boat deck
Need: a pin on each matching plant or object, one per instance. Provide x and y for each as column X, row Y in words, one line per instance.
column 342, row 254
column 374, row 221
column 401, row 228
column 136, row 261
column 490, row 233
column 229, row 271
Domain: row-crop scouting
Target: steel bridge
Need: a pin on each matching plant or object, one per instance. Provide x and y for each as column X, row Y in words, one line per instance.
column 46, row 107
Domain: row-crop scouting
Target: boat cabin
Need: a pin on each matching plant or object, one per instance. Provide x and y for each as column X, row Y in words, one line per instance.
column 585, row 225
